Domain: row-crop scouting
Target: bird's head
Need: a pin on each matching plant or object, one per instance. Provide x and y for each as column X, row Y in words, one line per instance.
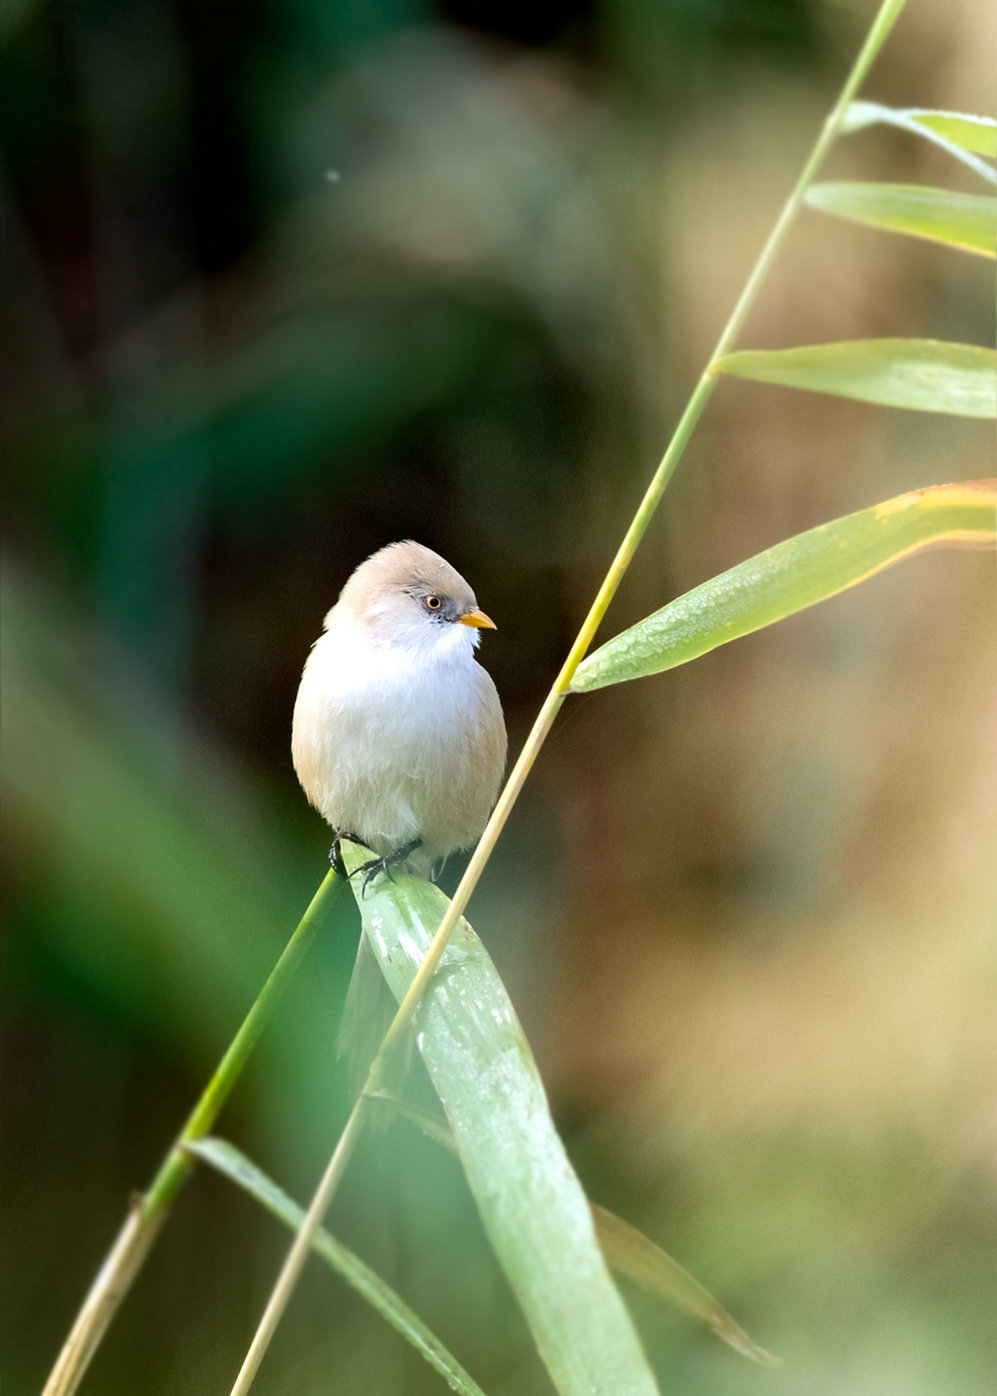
column 406, row 596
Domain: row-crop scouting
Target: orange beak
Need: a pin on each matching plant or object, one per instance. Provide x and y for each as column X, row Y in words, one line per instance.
column 479, row 619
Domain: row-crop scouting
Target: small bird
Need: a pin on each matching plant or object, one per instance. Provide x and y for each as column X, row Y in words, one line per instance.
column 398, row 737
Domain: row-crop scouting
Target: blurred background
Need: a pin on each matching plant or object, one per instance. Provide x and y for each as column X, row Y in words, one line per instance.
column 286, row 280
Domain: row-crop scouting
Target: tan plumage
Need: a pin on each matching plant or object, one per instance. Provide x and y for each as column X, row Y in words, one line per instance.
column 398, row 732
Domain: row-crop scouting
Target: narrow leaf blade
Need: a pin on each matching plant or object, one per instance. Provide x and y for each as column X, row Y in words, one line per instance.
column 973, row 133
column 793, row 575
column 964, row 137
column 631, row 1253
column 966, row 221
column 234, row 1164
column 926, row 375
column 533, row 1208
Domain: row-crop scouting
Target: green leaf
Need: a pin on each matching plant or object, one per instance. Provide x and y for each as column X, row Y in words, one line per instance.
column 627, row 1251
column 793, row 575
column 631, row 1253
column 967, row 221
column 964, row 137
column 973, row 133
column 532, row 1205
column 235, row 1165
column 927, row 375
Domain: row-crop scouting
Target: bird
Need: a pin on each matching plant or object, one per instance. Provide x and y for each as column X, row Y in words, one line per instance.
column 398, row 736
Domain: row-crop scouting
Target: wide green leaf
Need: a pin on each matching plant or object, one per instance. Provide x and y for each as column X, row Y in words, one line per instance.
column 227, row 1159
column 532, row 1205
column 793, row 575
column 927, row 375
column 964, row 137
column 966, row 221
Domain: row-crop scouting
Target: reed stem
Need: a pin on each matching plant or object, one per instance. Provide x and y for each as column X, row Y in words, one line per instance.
column 298, row 1254
column 149, row 1210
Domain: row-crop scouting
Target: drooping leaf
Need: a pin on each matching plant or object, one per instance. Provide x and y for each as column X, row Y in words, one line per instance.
column 974, row 133
column 227, row 1159
column 631, row 1253
column 793, row 575
column 966, row 221
column 964, row 137
column 927, row 375
column 532, row 1205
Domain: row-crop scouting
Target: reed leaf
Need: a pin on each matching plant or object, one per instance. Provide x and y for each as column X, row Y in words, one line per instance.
column 965, row 137
column 628, row 1252
column 926, row 375
column 793, row 575
column 532, row 1205
column 234, row 1164
column 966, row 221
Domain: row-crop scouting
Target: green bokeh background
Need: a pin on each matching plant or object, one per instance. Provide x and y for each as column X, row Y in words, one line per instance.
column 290, row 279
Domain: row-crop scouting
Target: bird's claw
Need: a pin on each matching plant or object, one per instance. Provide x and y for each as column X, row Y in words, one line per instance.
column 374, row 866
column 336, row 852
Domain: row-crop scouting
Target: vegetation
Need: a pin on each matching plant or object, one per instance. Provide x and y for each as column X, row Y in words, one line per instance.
column 549, row 1241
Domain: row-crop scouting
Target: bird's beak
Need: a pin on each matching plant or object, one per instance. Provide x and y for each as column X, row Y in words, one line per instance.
column 478, row 619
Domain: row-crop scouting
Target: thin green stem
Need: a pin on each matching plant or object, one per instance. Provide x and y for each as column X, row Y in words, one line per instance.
column 298, row 1254
column 889, row 13
column 149, row 1211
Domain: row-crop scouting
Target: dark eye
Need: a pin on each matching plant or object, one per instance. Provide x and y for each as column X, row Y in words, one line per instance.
column 434, row 603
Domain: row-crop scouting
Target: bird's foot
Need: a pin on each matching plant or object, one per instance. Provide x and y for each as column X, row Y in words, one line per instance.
column 336, row 852
column 375, row 866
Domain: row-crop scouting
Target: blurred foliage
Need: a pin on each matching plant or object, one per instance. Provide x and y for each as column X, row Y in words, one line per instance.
column 289, row 279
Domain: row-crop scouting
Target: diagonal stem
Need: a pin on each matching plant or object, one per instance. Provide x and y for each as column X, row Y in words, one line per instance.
column 887, row 16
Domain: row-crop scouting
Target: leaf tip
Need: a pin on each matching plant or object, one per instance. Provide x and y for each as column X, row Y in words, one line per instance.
column 735, row 1337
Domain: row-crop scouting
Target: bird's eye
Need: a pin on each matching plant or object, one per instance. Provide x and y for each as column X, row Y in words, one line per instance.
column 434, row 603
